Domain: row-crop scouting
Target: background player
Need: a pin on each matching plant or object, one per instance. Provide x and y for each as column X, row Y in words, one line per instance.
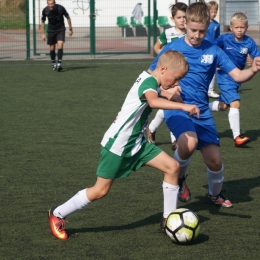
column 56, row 30
column 178, row 12
column 213, row 33
column 238, row 47
column 124, row 148
column 193, row 133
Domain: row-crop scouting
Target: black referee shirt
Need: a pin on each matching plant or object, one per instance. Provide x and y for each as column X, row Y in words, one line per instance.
column 55, row 17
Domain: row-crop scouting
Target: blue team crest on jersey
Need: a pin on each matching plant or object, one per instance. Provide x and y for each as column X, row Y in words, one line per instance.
column 244, row 50
column 207, row 58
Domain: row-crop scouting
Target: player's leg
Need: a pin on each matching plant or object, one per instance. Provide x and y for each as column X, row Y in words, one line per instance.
column 215, row 171
column 152, row 127
column 51, row 40
column 170, row 168
column 106, row 172
column 234, row 122
column 186, row 136
column 80, row 200
column 60, row 55
column 187, row 143
column 60, row 42
column 211, row 92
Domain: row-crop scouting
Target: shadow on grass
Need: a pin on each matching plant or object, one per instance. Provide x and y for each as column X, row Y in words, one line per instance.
column 77, row 68
column 252, row 134
column 151, row 220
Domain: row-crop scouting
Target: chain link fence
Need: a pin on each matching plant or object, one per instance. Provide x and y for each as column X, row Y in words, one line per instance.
column 112, row 29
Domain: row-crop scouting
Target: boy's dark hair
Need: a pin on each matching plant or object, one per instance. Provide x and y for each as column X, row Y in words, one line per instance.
column 179, row 6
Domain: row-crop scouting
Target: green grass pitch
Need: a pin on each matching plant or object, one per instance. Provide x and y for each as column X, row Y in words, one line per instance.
column 51, row 127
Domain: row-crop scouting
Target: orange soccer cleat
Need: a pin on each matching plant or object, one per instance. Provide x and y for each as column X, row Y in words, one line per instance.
column 57, row 226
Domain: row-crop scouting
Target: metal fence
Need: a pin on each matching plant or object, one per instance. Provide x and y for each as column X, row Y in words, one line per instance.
column 98, row 26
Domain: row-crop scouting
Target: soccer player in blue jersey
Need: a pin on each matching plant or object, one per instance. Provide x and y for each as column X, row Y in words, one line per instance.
column 201, row 134
column 213, row 33
column 237, row 46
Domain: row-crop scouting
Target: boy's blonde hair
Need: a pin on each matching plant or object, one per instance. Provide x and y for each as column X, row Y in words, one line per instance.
column 212, row 4
column 239, row 16
column 173, row 60
column 198, row 13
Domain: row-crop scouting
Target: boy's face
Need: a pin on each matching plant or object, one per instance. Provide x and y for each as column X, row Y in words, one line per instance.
column 179, row 19
column 213, row 13
column 195, row 33
column 239, row 29
column 170, row 78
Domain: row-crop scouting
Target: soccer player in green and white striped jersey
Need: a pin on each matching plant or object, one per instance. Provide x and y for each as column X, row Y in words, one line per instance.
column 124, row 148
column 178, row 12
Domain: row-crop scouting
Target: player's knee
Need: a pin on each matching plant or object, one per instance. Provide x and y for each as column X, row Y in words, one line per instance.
column 173, row 169
column 235, row 104
column 215, row 164
column 187, row 147
column 222, row 106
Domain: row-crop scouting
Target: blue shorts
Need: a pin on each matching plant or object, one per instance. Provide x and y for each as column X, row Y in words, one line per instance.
column 179, row 122
column 229, row 93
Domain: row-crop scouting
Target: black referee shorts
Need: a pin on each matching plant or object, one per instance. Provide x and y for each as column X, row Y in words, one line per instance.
column 54, row 37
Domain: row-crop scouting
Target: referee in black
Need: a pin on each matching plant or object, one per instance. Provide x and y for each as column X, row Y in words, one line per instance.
column 56, row 30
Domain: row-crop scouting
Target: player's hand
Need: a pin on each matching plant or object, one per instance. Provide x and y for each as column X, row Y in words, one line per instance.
column 70, row 32
column 249, row 60
column 43, row 37
column 256, row 64
column 192, row 109
column 176, row 98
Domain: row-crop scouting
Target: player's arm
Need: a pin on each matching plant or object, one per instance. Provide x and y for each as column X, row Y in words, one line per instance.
column 70, row 26
column 43, row 19
column 249, row 60
column 172, row 94
column 155, row 102
column 246, row 74
column 157, row 47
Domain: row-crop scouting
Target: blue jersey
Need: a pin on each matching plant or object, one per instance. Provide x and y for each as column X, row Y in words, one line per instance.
column 203, row 61
column 213, row 31
column 237, row 52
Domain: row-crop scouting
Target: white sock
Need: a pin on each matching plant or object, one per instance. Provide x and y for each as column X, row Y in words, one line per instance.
column 173, row 138
column 170, row 198
column 213, row 106
column 215, row 181
column 211, row 85
column 77, row 202
column 157, row 121
column 183, row 163
column 234, row 121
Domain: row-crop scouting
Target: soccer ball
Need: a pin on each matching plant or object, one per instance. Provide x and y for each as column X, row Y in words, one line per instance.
column 182, row 226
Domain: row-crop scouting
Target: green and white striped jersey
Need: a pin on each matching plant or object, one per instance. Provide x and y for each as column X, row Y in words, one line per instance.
column 126, row 134
column 169, row 35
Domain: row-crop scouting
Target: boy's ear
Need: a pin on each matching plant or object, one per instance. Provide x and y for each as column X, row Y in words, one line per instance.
column 163, row 69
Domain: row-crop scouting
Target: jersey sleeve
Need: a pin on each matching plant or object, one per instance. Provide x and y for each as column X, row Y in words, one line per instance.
column 65, row 13
column 149, row 84
column 219, row 42
column 163, row 39
column 217, row 32
column 224, row 62
column 254, row 50
column 43, row 18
